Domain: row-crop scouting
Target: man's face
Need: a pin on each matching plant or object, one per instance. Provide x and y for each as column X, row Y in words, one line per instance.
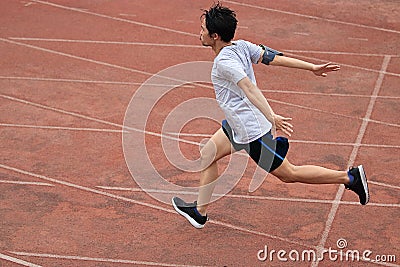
column 205, row 38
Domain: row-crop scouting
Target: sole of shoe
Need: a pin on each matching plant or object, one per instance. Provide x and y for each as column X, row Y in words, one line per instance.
column 364, row 183
column 190, row 219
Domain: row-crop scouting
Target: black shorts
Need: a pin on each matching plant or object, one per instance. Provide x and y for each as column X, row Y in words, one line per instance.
column 267, row 152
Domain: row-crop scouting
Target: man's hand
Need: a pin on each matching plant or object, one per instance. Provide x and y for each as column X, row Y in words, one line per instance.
column 322, row 70
column 282, row 124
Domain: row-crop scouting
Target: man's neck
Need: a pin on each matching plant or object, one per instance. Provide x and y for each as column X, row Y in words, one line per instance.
column 219, row 45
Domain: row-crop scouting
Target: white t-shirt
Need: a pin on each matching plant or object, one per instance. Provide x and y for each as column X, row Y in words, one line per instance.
column 232, row 64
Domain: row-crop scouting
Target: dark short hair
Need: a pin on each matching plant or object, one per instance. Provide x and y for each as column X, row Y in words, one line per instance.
column 221, row 20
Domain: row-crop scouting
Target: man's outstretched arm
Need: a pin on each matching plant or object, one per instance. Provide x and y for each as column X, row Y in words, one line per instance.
column 272, row 57
column 319, row 70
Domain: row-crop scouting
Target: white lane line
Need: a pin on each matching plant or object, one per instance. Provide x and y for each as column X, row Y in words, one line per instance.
column 380, row 146
column 302, row 200
column 28, row 4
column 342, row 144
column 115, row 18
column 179, row 82
column 185, row 21
column 358, row 39
column 82, row 258
column 156, row 207
column 124, row 128
column 302, row 33
column 45, row 127
column 250, row 231
column 103, row 42
column 127, row 15
column 360, row 136
column 17, row 261
column 312, row 109
column 332, row 113
column 42, row 79
column 190, row 46
column 312, row 17
column 191, row 86
column 98, row 120
column 289, row 52
column 384, row 185
column 60, row 111
column 325, row 94
column 370, row 108
column 189, row 134
column 83, row 188
column 294, row 141
column 384, row 123
column 184, row 85
column 24, row 183
column 76, row 57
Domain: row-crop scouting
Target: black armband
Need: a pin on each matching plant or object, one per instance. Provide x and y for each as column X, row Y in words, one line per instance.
column 269, row 54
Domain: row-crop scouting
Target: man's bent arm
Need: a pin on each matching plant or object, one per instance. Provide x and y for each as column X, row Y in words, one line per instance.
column 257, row 98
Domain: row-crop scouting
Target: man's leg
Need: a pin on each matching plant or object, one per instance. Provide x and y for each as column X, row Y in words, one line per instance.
column 309, row 174
column 216, row 148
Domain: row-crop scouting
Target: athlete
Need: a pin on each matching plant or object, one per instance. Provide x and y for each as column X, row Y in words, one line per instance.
column 250, row 123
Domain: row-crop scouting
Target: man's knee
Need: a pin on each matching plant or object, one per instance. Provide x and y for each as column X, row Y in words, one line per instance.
column 207, row 155
column 286, row 172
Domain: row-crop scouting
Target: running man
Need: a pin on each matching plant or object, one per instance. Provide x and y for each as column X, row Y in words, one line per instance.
column 250, row 123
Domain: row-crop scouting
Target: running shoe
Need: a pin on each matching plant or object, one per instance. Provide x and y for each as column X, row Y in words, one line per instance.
column 189, row 211
column 359, row 185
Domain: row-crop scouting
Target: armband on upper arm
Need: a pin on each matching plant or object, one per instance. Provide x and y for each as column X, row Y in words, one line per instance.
column 269, row 54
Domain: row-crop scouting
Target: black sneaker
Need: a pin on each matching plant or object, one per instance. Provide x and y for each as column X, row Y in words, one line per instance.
column 189, row 211
column 359, row 185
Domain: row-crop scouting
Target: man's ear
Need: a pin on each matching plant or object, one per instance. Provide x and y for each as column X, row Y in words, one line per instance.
column 215, row 36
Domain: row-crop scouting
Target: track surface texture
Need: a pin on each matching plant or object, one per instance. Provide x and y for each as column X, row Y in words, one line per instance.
column 68, row 72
